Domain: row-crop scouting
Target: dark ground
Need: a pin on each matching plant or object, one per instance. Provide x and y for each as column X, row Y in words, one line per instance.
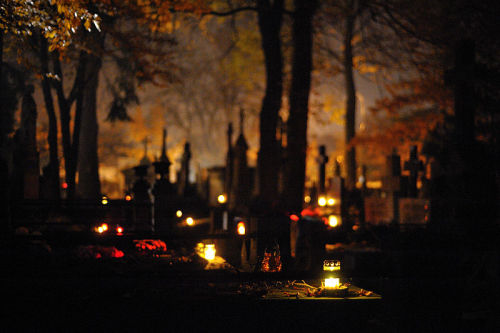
column 44, row 293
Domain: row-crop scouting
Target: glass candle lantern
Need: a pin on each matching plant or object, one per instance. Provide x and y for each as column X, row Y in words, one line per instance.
column 209, row 251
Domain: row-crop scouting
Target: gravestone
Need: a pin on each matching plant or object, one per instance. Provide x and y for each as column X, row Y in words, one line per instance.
column 414, row 211
column 384, row 209
column 379, row 210
column 414, row 165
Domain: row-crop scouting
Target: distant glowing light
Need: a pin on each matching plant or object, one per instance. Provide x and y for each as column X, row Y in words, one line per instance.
column 307, row 199
column 221, row 199
column 128, row 197
column 190, row 221
column 178, row 213
column 331, row 201
column 294, row 218
column 104, row 200
column 64, row 185
column 332, row 283
column 322, row 201
column 119, row 230
column 104, row 226
column 333, row 221
column 209, row 251
column 241, row 228
column 100, row 229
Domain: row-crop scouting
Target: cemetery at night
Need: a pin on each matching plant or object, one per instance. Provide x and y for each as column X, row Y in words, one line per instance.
column 267, row 165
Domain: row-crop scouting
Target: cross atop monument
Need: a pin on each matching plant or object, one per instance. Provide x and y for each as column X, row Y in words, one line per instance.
column 145, row 160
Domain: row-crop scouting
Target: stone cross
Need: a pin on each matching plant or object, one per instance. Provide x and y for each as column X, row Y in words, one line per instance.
column 145, row 159
column 414, row 166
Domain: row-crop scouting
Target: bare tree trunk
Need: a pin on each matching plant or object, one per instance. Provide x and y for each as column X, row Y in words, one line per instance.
column 89, row 186
column 270, row 20
column 350, row 117
column 53, row 172
column 302, row 35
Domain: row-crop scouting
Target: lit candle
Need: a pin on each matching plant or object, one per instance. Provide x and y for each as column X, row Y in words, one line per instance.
column 209, row 251
column 332, row 283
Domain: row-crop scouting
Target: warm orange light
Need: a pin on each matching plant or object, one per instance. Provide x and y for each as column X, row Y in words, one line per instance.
column 100, row 229
column 209, row 251
column 64, row 185
column 333, row 221
column 241, row 228
column 322, row 201
column 221, row 199
column 119, row 230
column 104, row 200
column 294, row 218
column 190, row 221
column 307, row 199
column 332, row 283
column 104, row 226
column 128, row 197
column 331, row 201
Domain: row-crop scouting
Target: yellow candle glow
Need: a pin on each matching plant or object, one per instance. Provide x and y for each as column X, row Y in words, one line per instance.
column 332, row 283
column 209, row 251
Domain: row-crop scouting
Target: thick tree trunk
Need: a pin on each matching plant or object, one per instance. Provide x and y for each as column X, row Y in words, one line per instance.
column 5, row 216
column 302, row 35
column 89, row 186
column 270, row 19
column 350, row 116
column 53, row 172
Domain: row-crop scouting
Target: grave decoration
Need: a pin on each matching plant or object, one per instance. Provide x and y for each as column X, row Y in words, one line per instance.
column 152, row 247
column 98, row 252
column 271, row 262
column 330, row 284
